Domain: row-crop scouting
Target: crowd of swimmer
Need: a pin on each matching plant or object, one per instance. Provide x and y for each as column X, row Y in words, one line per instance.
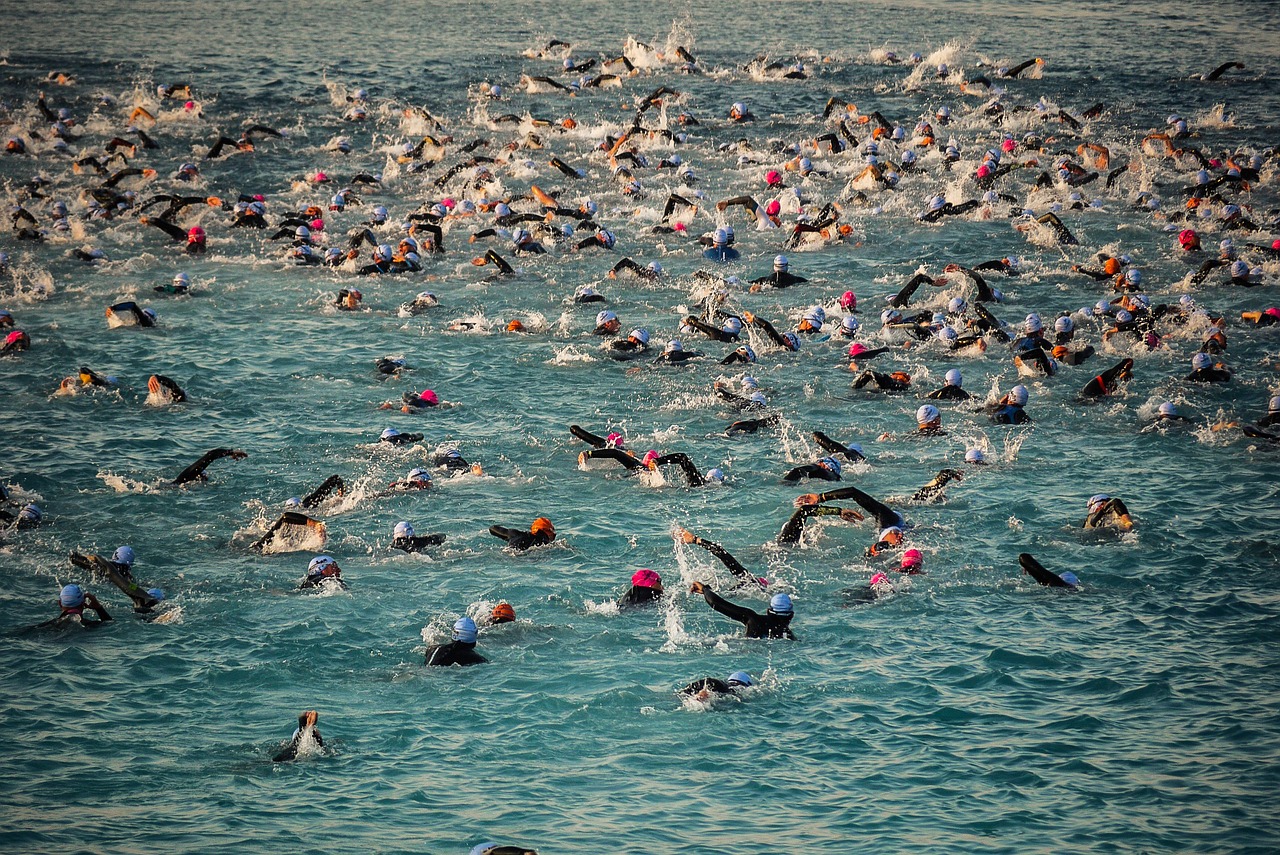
column 107, row 162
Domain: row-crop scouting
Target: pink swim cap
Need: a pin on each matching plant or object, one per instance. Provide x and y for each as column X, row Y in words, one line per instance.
column 649, row 457
column 645, row 578
column 984, row 171
column 1008, row 145
column 258, row 197
column 614, row 439
column 429, row 396
column 1273, row 311
column 772, row 177
column 680, row 227
column 13, row 336
column 449, row 202
column 912, row 558
column 320, row 176
column 878, row 578
column 848, row 300
column 773, row 208
column 190, row 105
column 1275, row 244
column 317, row 225
column 857, row 349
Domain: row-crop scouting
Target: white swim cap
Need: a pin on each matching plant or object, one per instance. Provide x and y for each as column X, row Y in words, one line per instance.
column 1168, row 409
column 780, row 262
column 974, row 455
column 403, row 529
column 639, row 334
column 849, row 325
column 1201, row 361
column 733, row 326
column 953, row 378
column 1018, row 395
column 1064, row 324
column 956, row 305
column 926, row 414
column 1033, row 324
column 673, row 346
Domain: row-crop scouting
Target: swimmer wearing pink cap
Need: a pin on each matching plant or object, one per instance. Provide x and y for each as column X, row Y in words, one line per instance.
column 646, row 588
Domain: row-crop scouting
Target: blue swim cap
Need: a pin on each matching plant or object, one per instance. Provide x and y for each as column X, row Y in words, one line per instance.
column 780, row 604
column 1070, row 579
column 831, row 464
column 124, row 555
column 739, row 678
column 465, row 630
column 71, row 597
column 155, row 594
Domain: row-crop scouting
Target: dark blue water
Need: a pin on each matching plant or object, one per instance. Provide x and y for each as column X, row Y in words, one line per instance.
column 970, row 711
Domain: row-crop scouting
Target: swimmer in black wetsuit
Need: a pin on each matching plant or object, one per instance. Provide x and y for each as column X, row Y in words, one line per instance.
column 675, row 354
column 1036, row 570
column 74, row 600
column 1106, row 512
column 646, row 588
column 793, row 528
column 933, row 491
column 897, row 381
column 852, row 452
column 731, row 564
column 162, row 387
column 119, row 570
column 332, row 484
column 1204, row 371
column 826, row 469
column 195, row 472
column 141, row 317
column 709, row 687
column 306, row 730
column 540, row 533
column 1105, row 383
column 774, row 623
column 391, row 436
column 288, row 518
column 460, row 651
column 320, row 571
column 404, row 539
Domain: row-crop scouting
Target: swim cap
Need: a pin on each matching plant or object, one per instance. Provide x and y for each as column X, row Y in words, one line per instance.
column 780, row 262
column 733, row 325
column 948, row 335
column 1168, row 409
column 605, row 317
column 748, row 354
column 927, row 414
column 953, row 378
column 403, row 529
column 936, row 203
column 849, row 301
column 780, row 604
column 1239, row 269
column 1064, row 324
column 793, row 340
column 857, row 349
column 1097, row 501
column 1123, row 316
column 806, row 165
column 749, row 382
column 156, row 594
column 654, row 267
column 849, row 325
column 911, row 558
column 739, row 678
column 319, row 564
column 720, row 238
column 389, row 433
column 418, row 474
column 758, row 399
column 738, row 108
column 645, row 578
column 673, row 346
column 71, row 596
column 975, row 455
column 831, row 465
column 956, row 305
column 773, row 208
column 816, row 316
column 613, row 440
column 292, row 502
column 195, row 234
column 464, row 630
column 728, row 232
column 1201, row 361
column 649, row 457
column 124, row 555
column 1273, row 406
column 503, row 613
column 1189, row 239
column 1018, row 395
column 1070, row 578
column 716, row 475
column 889, row 316
column 1133, row 276
column 1033, row 324
column 891, row 531
column 542, row 524
column 639, row 334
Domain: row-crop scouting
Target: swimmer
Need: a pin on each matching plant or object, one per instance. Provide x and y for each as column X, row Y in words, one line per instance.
column 787, row 341
column 181, row 285
column 502, row 613
column 128, row 314
column 394, row 437
column 119, row 570
column 1009, row 409
column 782, row 277
column 322, row 572
column 934, row 490
column 851, row 452
column 646, row 588
column 1105, row 383
column 929, row 421
column 607, row 323
column 73, row 601
column 635, row 345
column 495, row 849
column 824, row 469
column 423, row 301
column 709, row 687
column 460, row 651
column 28, row 517
column 1036, row 570
column 305, row 734
column 540, row 533
column 877, row 586
column 794, row 527
column 405, row 540
column 896, row 381
column 289, row 524
column 1106, row 512
column 649, row 272
column 952, row 388
column 774, row 623
column 331, row 485
column 675, row 354
column 730, row 563
column 195, row 472
column 1203, row 370
column 729, row 332
column 720, row 250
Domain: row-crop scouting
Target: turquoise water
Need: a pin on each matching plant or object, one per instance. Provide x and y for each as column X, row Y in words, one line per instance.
column 971, row 711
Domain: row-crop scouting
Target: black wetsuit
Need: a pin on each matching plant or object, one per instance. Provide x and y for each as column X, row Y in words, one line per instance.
column 291, row 751
column 401, row 439
column 1209, row 375
column 639, row 596
column 332, row 484
column 175, row 391
column 195, row 472
column 518, row 539
column 1106, row 514
column 949, row 393
column 731, row 564
column 829, row 444
column 780, row 279
column 418, row 542
column 794, row 526
column 287, row 518
column 454, row 653
column 1105, row 383
column 1036, row 570
column 810, row 470
column 707, row 684
column 757, row 625
column 1010, row 414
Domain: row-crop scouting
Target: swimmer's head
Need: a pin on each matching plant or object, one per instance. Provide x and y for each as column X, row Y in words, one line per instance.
column 792, row 340
column 890, row 316
column 1111, row 266
column 857, row 349
column 949, row 335
column 71, row 597
column 673, row 346
column 292, row 502
column 1064, row 324
column 646, row 578
column 503, row 613
column 1239, row 269
column 732, row 325
column 1070, row 578
column 614, row 440
column 1133, row 276
column 1018, row 395
column 464, row 630
column 1200, row 361
column 418, row 474
column 780, row 604
column 773, row 208
column 1273, row 406
column 1097, row 501
column 746, row 352
column 715, row 476
column 953, row 378
column 1188, row 239
column 814, row 318
column 124, row 555
column 928, row 416
column 956, row 305
column 975, row 456
column 402, row 529
column 542, row 525
column 1168, row 410
column 849, row 326
column 891, row 535
column 195, row 235
column 389, row 433
column 639, row 335
column 650, row 458
column 1033, row 324
column 911, row 559
column 321, row 565
column 720, row 238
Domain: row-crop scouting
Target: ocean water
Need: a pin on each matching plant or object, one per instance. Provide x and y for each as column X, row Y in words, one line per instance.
column 970, row 711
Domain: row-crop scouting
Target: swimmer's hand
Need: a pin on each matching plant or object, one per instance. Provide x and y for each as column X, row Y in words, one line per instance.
column 807, row 499
column 238, row 455
column 749, row 317
column 850, row 515
column 696, row 588
column 686, row 536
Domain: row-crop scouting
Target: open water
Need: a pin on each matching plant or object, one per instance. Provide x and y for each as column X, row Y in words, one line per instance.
column 972, row 711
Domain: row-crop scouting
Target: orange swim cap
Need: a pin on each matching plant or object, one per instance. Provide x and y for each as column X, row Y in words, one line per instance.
column 515, row 326
column 1060, row 351
column 1111, row 266
column 901, row 376
column 542, row 525
column 503, row 613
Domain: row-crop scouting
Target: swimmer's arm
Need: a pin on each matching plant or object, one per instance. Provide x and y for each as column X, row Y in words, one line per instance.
column 723, row 606
column 195, row 470
column 588, row 437
column 903, row 297
column 331, row 484
column 691, row 473
column 616, row 454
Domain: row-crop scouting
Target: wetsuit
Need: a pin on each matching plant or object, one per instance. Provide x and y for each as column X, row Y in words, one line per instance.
column 401, row 439
column 676, row 357
column 691, row 473
column 1105, row 383
column 753, row 425
column 639, row 596
column 707, row 684
column 291, row 750
column 794, row 526
column 810, row 470
column 731, row 564
column 1010, row 414
column 780, row 279
column 519, row 539
column 711, row 332
column 454, row 653
column 287, row 518
column 1209, row 375
column 332, row 484
column 142, row 318
column 195, row 472
column 417, row 542
column 886, row 516
column 829, row 444
column 772, row 333
column 949, row 393
column 1036, row 570
column 620, row 455
column 1109, row 513
column 120, row 575
column 316, row 580
column 884, row 382
column 934, row 489
column 757, row 625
